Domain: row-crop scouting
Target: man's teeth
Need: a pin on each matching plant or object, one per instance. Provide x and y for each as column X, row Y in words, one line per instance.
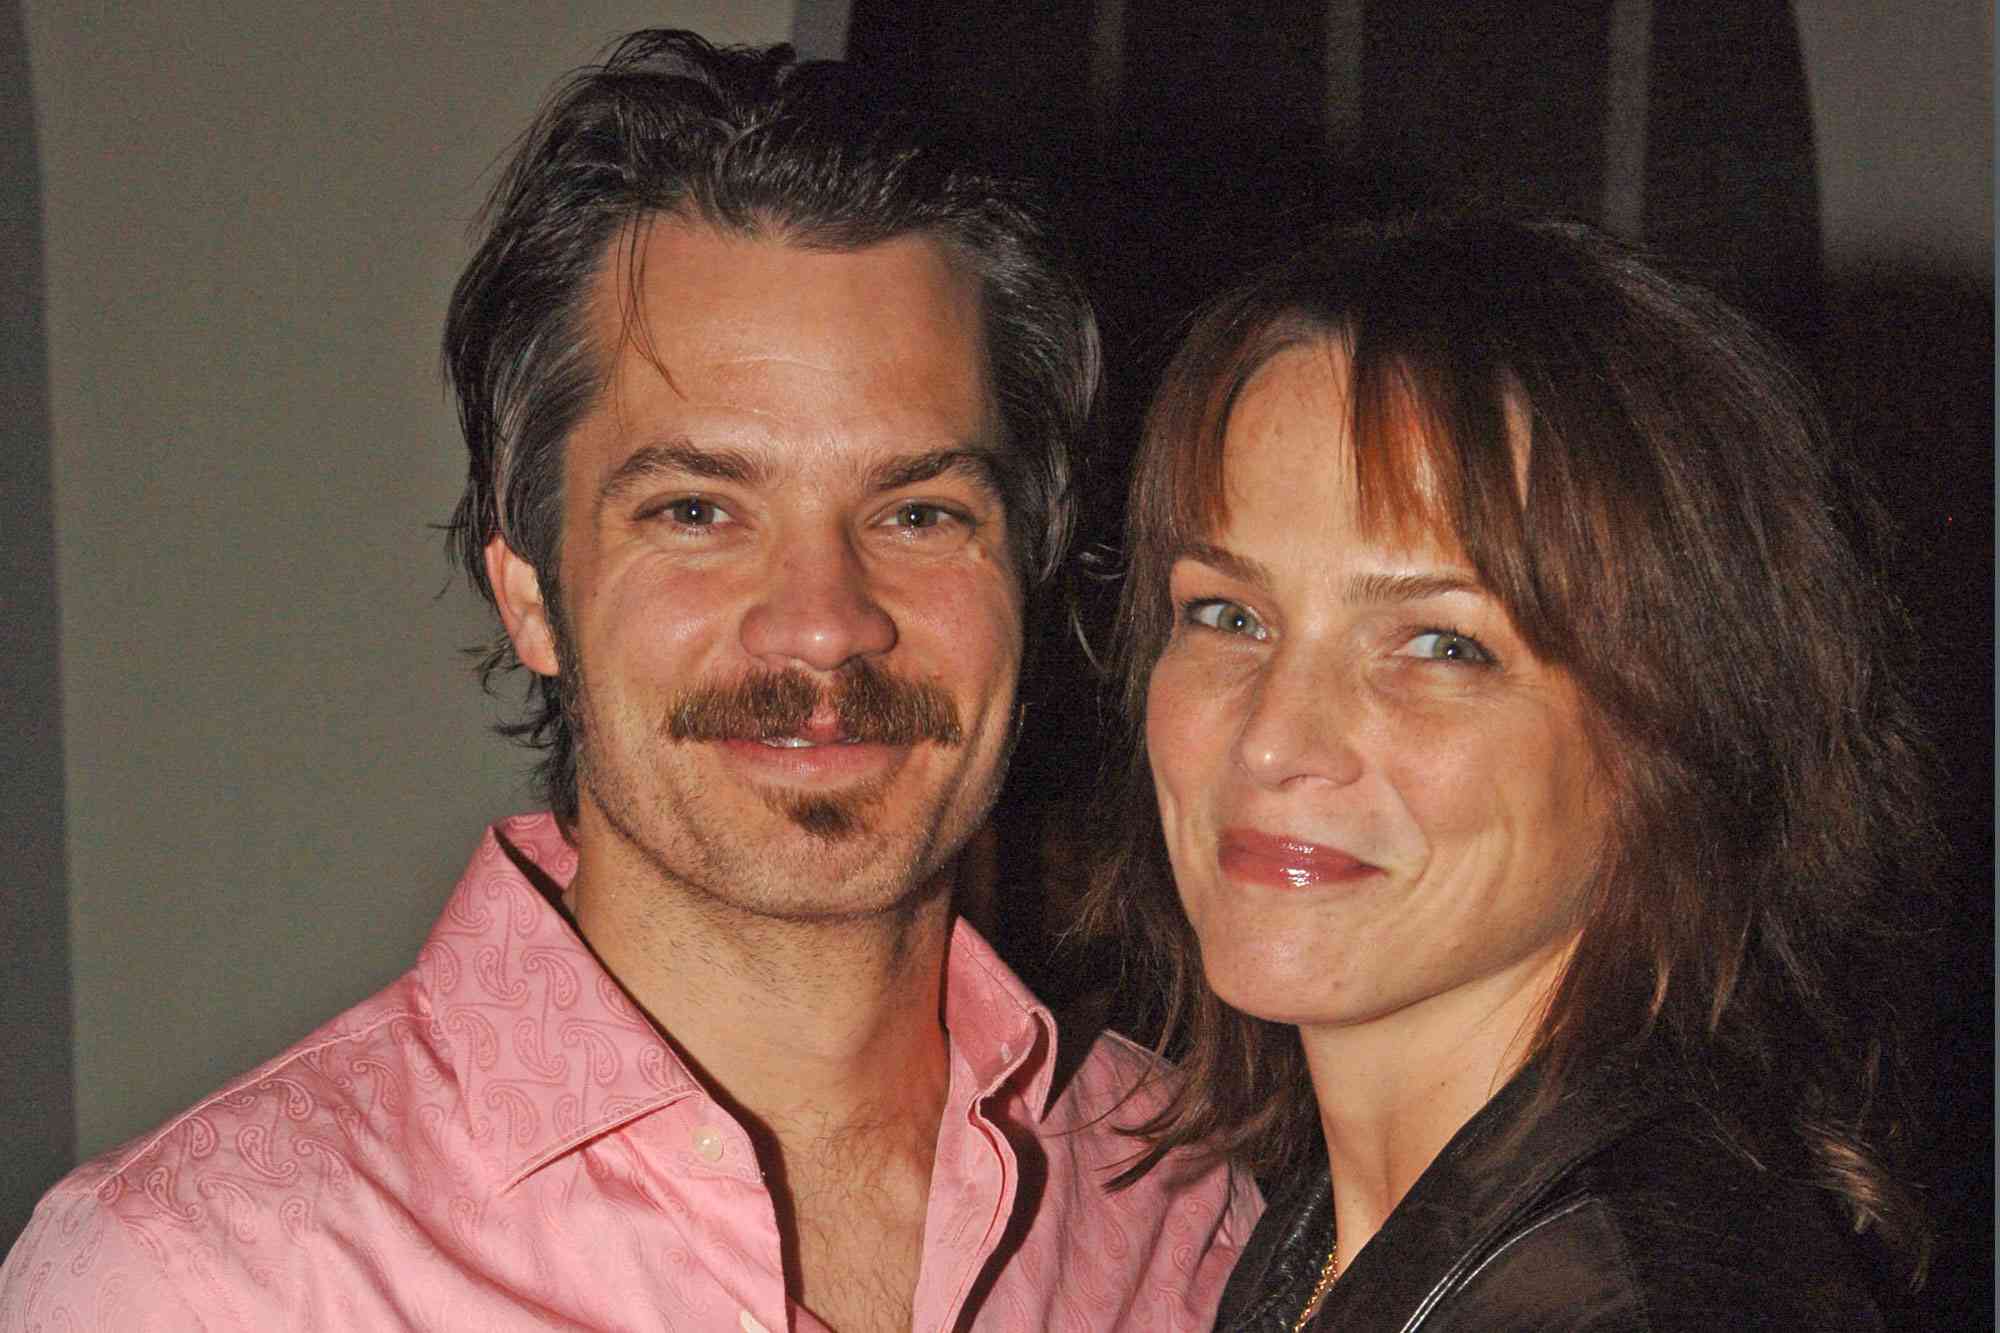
column 796, row 743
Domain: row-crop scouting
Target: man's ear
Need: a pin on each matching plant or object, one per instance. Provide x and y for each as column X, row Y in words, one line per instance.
column 522, row 610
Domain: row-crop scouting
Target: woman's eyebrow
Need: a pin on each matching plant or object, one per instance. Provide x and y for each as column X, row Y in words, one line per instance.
column 1378, row 587
column 1225, row 561
column 1373, row 587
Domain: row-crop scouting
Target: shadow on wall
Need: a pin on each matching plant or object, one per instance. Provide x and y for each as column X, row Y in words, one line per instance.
column 34, row 911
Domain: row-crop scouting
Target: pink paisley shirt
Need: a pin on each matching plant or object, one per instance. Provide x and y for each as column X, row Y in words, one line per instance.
column 500, row 1140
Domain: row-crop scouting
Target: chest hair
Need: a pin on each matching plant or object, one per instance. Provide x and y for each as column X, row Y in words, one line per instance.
column 856, row 1208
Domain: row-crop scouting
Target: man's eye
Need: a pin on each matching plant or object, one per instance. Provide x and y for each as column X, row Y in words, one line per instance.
column 915, row 516
column 694, row 512
column 1225, row 617
column 1443, row 645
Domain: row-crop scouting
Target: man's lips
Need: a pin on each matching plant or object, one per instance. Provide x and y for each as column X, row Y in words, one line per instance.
column 822, row 728
column 811, row 761
column 1269, row 858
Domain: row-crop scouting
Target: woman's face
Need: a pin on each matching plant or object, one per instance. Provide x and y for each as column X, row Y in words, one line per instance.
column 1378, row 804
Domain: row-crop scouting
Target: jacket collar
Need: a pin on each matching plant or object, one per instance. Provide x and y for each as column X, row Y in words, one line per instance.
column 1466, row 1197
column 1488, row 1176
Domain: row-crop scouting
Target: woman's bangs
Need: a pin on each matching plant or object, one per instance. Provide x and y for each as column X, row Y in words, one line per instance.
column 1435, row 461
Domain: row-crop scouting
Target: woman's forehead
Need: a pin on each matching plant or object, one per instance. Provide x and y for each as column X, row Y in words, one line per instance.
column 1378, row 432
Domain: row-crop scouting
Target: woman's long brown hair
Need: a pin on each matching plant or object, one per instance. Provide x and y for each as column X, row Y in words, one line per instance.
column 1688, row 551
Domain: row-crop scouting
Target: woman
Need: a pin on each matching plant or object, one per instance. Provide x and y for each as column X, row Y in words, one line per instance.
column 1517, row 715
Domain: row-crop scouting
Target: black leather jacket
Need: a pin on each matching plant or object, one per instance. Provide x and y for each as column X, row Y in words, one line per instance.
column 1618, row 1210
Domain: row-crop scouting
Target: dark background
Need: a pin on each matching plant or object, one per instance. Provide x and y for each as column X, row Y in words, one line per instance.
column 1184, row 139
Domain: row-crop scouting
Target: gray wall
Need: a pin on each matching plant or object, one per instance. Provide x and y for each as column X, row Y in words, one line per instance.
column 271, row 760
column 1902, row 100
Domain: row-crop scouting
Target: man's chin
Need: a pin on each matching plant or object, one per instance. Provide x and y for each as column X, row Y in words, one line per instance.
column 830, row 819
column 780, row 846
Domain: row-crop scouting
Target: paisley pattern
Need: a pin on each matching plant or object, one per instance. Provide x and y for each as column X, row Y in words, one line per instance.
column 500, row 1141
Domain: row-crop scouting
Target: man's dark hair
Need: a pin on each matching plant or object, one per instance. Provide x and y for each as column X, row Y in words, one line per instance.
column 750, row 143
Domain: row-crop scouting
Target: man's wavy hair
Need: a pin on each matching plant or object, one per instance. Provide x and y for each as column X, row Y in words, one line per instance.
column 1686, row 552
column 753, row 144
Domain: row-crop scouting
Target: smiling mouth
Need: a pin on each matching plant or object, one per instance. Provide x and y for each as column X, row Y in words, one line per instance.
column 1284, row 862
column 813, row 761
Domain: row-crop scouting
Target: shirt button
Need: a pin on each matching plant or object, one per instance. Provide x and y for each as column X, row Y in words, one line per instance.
column 748, row 1322
column 1006, row 1050
column 708, row 1146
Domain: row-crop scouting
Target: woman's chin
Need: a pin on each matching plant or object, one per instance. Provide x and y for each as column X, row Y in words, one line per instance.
column 1275, row 994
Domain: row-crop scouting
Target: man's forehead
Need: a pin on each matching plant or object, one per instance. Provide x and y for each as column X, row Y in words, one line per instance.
column 675, row 299
column 697, row 266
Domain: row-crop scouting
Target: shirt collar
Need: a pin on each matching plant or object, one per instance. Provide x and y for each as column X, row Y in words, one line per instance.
column 546, row 1047
column 996, row 1024
column 551, row 1053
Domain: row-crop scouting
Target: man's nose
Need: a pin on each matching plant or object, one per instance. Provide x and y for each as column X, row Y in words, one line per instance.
column 817, row 609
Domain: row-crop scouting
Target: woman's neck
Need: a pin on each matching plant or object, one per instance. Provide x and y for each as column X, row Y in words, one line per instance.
column 1394, row 1089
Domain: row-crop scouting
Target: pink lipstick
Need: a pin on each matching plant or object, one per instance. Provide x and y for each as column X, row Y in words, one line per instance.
column 1265, row 858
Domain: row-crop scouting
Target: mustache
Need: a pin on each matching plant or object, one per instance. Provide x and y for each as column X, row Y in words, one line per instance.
column 872, row 705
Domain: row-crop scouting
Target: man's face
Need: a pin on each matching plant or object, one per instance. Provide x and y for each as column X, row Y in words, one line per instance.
column 791, row 623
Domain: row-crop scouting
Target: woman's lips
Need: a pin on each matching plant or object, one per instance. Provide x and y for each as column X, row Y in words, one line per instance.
column 1266, row 858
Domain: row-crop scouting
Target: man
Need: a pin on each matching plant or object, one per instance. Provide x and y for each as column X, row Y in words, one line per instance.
column 767, row 396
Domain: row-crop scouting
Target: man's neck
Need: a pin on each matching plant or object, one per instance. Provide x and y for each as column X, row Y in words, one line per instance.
column 819, row 1021
column 824, row 1038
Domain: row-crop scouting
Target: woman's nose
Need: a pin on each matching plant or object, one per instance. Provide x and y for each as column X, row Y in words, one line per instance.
column 1298, row 727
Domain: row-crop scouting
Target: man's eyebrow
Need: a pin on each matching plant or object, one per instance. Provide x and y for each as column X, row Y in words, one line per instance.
column 976, row 464
column 676, row 459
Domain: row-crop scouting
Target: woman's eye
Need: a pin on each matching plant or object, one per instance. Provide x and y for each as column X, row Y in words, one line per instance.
column 694, row 512
column 1226, row 618
column 1443, row 645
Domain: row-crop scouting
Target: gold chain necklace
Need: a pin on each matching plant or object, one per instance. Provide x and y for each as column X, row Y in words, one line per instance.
column 1328, row 1271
